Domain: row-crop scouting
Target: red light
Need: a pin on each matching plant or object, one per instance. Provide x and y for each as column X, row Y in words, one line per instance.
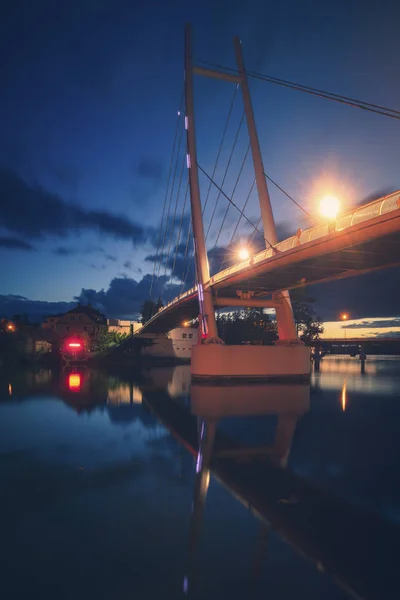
column 74, row 345
column 74, row 382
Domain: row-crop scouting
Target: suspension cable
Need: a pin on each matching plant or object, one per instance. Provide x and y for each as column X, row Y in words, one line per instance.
column 225, row 174
column 290, row 198
column 170, row 200
column 237, row 208
column 184, row 276
column 255, row 230
column 368, row 106
column 221, row 144
column 167, row 188
column 171, row 233
column 187, row 270
column 179, row 235
column 180, row 227
column 232, row 195
column 238, row 222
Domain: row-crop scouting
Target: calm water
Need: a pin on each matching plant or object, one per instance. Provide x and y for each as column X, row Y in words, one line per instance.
column 97, row 494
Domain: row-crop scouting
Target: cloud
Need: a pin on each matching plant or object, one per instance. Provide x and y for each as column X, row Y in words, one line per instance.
column 163, row 235
column 128, row 264
column 21, row 204
column 181, row 266
column 376, row 324
column 15, row 244
column 125, row 295
column 62, row 251
column 184, row 265
column 374, row 295
column 35, row 309
column 149, row 168
column 375, row 195
column 387, row 334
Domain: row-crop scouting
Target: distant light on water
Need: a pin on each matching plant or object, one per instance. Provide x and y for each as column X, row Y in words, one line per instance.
column 9, row 389
column 344, row 395
column 74, row 382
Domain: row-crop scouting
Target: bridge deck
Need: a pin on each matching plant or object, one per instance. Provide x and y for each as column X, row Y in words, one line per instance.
column 359, row 242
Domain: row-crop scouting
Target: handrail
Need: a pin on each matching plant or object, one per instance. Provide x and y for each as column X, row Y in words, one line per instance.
column 362, row 213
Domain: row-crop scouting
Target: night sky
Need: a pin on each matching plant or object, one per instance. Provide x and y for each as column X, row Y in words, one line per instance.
column 89, row 97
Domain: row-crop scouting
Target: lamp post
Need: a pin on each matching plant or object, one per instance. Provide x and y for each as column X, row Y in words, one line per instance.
column 345, row 317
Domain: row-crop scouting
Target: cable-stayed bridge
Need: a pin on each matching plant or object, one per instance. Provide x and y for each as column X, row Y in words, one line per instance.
column 359, row 241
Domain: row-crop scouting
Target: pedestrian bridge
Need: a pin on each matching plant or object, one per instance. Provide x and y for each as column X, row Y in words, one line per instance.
column 360, row 241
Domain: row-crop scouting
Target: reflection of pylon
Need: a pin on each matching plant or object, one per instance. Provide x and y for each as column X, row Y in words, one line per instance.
column 261, row 550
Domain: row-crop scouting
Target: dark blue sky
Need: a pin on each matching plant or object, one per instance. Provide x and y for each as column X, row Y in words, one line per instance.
column 88, row 106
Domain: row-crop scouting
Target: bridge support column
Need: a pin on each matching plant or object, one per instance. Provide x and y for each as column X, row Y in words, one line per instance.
column 284, row 315
column 207, row 312
column 287, row 331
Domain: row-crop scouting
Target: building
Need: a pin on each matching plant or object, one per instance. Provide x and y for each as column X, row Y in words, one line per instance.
column 123, row 326
column 37, row 343
column 81, row 320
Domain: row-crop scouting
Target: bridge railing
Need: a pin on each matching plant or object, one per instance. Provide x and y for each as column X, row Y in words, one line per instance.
column 362, row 213
column 358, row 215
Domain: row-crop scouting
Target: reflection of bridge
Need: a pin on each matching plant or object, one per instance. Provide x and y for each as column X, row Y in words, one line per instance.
column 357, row 548
column 346, row 247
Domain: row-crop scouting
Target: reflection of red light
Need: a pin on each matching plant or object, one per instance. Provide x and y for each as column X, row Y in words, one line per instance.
column 74, row 382
column 74, row 345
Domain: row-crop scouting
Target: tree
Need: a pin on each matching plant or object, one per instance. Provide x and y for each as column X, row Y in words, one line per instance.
column 309, row 325
column 106, row 339
column 149, row 309
column 248, row 325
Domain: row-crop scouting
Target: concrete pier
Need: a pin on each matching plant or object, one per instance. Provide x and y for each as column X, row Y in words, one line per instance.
column 217, row 362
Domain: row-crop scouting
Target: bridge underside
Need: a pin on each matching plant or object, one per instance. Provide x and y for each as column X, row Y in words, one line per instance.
column 353, row 251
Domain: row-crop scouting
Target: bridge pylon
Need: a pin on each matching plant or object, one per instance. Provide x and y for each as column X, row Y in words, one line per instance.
column 234, row 359
column 208, row 324
column 287, row 331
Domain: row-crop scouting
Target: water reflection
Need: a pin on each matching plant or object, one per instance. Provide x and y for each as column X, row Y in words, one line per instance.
column 375, row 375
column 74, row 382
column 82, row 389
column 175, row 381
column 244, row 436
column 284, row 457
column 344, row 395
column 212, row 405
column 287, row 403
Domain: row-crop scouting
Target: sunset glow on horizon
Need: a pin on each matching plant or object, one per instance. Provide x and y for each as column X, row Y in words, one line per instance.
column 358, row 328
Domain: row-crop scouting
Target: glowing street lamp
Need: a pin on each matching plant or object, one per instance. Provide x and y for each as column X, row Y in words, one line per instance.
column 243, row 254
column 185, row 323
column 329, row 207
